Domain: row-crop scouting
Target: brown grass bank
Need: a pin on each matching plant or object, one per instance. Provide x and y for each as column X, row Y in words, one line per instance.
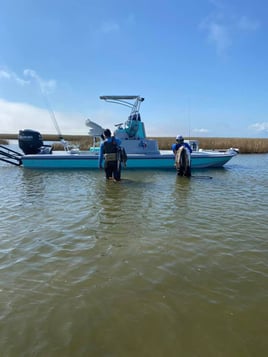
column 245, row 145
column 3, row 142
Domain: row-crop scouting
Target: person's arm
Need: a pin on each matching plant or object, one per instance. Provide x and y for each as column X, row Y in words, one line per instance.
column 174, row 148
column 101, row 156
column 189, row 147
column 118, row 141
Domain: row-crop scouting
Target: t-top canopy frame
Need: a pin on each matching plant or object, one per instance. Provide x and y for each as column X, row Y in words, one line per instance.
column 123, row 100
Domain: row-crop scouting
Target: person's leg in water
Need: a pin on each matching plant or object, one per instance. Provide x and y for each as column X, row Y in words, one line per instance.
column 117, row 171
column 109, row 171
column 188, row 171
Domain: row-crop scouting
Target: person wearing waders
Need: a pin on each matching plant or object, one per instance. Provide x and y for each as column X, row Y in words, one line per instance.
column 182, row 153
column 109, row 149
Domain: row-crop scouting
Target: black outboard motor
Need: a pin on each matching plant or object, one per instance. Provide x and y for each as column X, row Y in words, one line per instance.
column 30, row 141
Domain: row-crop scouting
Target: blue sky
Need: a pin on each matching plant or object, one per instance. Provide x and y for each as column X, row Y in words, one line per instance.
column 201, row 65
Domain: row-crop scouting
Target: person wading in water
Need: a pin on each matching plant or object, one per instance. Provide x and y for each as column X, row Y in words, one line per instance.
column 182, row 153
column 110, row 152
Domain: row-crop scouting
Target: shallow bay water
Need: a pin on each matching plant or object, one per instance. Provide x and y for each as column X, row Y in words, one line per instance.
column 155, row 265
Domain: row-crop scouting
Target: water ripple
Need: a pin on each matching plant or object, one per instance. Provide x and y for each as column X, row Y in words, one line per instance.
column 86, row 263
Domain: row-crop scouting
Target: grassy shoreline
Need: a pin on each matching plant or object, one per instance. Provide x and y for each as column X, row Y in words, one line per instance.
column 245, row 145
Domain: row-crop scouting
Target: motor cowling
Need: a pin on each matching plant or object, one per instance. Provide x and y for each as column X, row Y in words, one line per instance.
column 30, row 141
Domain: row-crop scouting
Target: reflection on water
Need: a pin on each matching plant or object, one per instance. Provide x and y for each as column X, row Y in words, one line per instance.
column 155, row 265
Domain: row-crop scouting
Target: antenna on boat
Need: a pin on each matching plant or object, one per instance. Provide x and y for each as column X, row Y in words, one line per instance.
column 189, row 117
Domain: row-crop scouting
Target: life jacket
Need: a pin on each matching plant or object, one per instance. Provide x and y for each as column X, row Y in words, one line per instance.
column 113, row 152
column 110, row 147
column 110, row 150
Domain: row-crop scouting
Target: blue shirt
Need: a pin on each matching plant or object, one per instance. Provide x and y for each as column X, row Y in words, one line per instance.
column 176, row 146
column 101, row 153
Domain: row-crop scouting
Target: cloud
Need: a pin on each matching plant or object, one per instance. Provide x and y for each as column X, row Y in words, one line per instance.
column 245, row 24
column 46, row 86
column 15, row 116
column 222, row 26
column 260, row 127
column 201, row 131
column 108, row 27
column 4, row 74
column 219, row 36
column 218, row 32
column 8, row 75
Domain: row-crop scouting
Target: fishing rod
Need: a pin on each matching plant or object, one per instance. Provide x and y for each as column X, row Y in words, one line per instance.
column 202, row 177
column 51, row 112
column 54, row 120
column 53, row 117
column 197, row 177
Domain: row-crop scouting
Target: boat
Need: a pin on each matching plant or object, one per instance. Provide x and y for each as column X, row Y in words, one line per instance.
column 142, row 152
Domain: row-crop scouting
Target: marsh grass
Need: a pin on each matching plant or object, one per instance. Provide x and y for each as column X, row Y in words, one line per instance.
column 245, row 145
column 3, row 142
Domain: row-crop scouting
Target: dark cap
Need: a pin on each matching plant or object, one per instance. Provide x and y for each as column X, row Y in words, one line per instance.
column 179, row 138
column 107, row 133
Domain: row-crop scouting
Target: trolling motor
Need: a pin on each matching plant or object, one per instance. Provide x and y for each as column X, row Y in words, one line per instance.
column 31, row 142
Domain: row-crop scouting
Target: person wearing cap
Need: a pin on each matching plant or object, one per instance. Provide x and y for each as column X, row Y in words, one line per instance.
column 183, row 162
column 180, row 142
column 109, row 152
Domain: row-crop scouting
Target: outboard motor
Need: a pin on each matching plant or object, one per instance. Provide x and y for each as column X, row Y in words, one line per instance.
column 30, row 141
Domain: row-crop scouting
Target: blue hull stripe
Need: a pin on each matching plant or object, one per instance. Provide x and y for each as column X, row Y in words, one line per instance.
column 136, row 162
